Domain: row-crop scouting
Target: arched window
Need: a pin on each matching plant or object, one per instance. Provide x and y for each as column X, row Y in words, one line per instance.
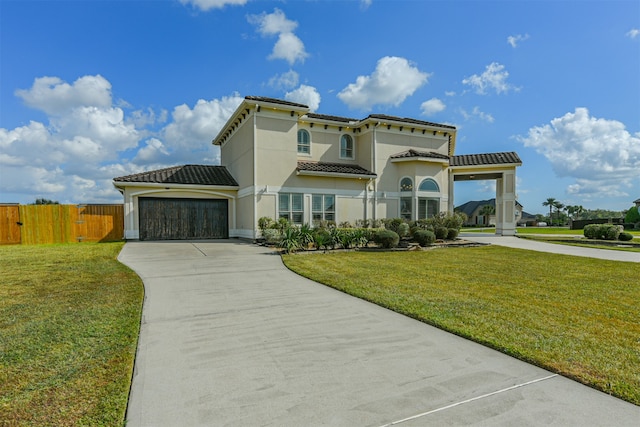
column 346, row 147
column 406, row 184
column 429, row 184
column 304, row 144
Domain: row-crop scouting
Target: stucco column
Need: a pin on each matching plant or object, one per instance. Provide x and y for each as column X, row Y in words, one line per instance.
column 450, row 193
column 506, row 194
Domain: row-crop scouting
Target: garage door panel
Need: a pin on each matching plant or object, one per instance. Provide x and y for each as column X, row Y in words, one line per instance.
column 181, row 219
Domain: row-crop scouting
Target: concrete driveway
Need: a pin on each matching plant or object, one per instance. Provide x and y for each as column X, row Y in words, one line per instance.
column 231, row 337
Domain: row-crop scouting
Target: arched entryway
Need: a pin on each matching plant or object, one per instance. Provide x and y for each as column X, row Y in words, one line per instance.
column 500, row 167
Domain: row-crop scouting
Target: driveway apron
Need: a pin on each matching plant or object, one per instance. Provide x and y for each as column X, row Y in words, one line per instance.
column 230, row 336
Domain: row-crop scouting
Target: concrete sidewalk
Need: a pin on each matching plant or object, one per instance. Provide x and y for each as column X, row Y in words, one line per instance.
column 532, row 245
column 231, row 337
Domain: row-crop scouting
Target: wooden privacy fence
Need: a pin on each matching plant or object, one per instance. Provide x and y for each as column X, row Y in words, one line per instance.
column 33, row 224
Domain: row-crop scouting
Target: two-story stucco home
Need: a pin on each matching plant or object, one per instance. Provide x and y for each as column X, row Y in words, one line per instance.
column 278, row 159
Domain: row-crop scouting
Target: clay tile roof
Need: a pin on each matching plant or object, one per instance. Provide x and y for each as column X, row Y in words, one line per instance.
column 416, row 153
column 330, row 118
column 485, row 159
column 274, row 101
column 408, row 120
column 186, row 174
column 333, row 168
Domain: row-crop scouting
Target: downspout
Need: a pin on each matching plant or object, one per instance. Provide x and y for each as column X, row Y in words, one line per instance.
column 255, row 169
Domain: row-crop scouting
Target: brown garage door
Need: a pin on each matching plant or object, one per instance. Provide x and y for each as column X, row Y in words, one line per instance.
column 183, row 219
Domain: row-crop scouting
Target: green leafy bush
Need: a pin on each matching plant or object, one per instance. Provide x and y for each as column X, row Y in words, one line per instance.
column 625, row 237
column 397, row 225
column 387, row 238
column 322, row 239
column 452, row 233
column 612, row 232
column 424, row 237
column 633, row 215
column 441, row 232
column 602, row 231
column 290, row 240
column 271, row 236
column 264, row 223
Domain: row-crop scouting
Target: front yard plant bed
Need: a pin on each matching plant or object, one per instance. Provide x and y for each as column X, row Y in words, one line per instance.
column 629, row 246
column 575, row 316
column 69, row 324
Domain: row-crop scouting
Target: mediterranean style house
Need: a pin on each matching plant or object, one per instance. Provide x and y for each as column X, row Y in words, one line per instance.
column 280, row 160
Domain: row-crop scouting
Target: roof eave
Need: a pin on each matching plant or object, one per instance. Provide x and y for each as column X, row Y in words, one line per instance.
column 420, row 159
column 173, row 186
column 487, row 166
column 336, row 174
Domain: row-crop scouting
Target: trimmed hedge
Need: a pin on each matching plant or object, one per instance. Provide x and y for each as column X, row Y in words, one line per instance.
column 387, row 239
column 625, row 237
column 424, row 237
column 602, row 231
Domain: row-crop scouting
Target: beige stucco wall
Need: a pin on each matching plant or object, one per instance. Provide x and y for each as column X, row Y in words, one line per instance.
column 237, row 154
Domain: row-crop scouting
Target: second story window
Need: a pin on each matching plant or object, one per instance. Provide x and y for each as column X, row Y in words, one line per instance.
column 304, row 142
column 346, row 147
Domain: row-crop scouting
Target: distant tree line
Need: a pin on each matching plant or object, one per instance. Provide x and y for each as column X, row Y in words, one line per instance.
column 45, row 202
column 559, row 213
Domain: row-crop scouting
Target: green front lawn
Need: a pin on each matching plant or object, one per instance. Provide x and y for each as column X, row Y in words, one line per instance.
column 575, row 316
column 69, row 324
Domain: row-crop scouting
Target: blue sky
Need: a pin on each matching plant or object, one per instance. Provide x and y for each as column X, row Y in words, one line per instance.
column 91, row 90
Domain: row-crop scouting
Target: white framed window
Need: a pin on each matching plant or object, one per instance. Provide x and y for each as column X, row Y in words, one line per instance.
column 304, row 142
column 290, row 206
column 428, row 207
column 429, row 184
column 346, row 147
column 323, row 208
column 406, row 198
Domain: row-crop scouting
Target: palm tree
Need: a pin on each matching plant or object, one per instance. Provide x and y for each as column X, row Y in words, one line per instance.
column 486, row 212
column 559, row 206
column 550, row 201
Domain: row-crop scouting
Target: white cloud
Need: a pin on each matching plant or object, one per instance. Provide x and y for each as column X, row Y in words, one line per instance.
column 364, row 4
column 270, row 24
column 494, row 77
column 284, row 81
column 633, row 33
column 514, row 40
column 288, row 47
column 306, row 95
column 188, row 137
column 432, row 106
column 206, row 5
column 88, row 141
column 477, row 113
column 602, row 156
column 393, row 80
column 53, row 96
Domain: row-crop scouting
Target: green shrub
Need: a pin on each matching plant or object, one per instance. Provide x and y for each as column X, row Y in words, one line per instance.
column 322, row 239
column 271, row 236
column 387, row 238
column 264, row 223
column 633, row 215
column 424, row 237
column 591, row 231
column 441, row 232
column 397, row 225
column 452, row 233
column 612, row 232
column 602, row 231
column 625, row 237
column 290, row 240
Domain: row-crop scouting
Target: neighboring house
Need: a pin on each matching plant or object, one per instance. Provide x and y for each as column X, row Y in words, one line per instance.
column 280, row 160
column 637, row 202
column 477, row 214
